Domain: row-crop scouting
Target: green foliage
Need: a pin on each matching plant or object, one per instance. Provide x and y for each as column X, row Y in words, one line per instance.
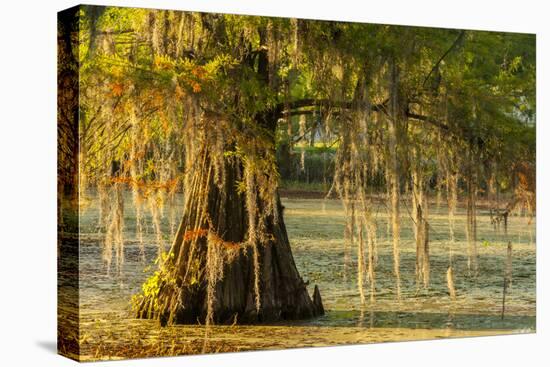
column 151, row 288
column 486, row 78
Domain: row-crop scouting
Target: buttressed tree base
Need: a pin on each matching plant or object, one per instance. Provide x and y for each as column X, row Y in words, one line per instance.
column 230, row 183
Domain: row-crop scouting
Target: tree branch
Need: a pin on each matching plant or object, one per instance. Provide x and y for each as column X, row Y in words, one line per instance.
column 285, row 108
column 455, row 43
column 429, row 120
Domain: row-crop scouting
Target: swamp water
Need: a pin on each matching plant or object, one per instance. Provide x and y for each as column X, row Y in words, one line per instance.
column 315, row 228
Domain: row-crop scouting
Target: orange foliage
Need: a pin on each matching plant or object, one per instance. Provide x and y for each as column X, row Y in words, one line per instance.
column 199, row 72
column 116, row 89
column 228, row 245
column 196, row 87
column 194, row 234
column 217, row 240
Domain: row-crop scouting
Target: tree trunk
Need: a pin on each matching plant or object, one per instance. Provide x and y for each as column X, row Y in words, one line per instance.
column 283, row 294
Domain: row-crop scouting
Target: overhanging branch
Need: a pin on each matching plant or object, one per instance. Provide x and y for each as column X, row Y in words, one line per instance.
column 429, row 120
column 286, row 108
column 293, row 108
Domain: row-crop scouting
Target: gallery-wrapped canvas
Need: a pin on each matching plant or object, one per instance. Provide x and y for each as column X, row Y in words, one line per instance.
column 230, row 183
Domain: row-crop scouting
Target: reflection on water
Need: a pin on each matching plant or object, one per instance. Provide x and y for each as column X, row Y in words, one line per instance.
column 315, row 230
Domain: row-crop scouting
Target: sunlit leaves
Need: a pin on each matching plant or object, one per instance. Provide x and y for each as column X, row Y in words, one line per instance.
column 116, row 89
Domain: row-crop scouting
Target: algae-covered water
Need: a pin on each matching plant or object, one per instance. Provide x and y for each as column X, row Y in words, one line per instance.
column 315, row 228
